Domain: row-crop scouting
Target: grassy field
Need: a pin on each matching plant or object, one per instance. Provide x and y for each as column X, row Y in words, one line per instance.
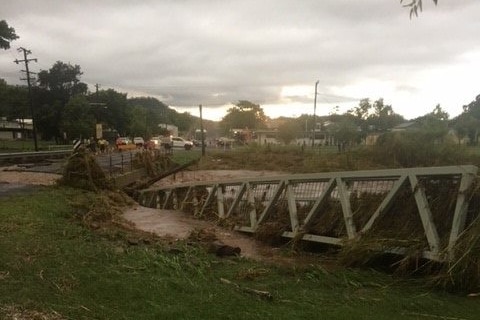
column 52, row 266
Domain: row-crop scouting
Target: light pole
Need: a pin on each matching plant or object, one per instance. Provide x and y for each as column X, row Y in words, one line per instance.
column 314, row 112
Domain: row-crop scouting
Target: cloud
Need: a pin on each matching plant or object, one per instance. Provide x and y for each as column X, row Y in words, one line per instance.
column 217, row 52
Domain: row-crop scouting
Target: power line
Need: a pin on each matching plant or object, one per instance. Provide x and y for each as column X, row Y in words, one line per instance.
column 28, row 78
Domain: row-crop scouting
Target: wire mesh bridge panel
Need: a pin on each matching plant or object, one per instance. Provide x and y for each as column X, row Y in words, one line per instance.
column 422, row 209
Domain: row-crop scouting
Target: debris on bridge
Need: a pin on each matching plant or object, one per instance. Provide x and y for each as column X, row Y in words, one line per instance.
column 425, row 217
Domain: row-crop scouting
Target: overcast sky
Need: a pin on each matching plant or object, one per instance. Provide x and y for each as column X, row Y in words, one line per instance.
column 270, row 52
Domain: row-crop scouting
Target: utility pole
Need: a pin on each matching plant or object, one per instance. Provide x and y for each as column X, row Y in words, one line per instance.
column 96, row 91
column 98, row 111
column 201, row 131
column 30, row 100
column 314, row 112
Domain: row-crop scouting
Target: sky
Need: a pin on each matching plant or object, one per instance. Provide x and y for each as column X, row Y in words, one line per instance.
column 269, row 52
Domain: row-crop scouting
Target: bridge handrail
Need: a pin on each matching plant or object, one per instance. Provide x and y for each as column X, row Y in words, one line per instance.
column 251, row 201
column 13, row 155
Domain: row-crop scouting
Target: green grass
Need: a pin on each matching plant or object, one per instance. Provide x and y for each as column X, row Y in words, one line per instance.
column 51, row 263
column 180, row 156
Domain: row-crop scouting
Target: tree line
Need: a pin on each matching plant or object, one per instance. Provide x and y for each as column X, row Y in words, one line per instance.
column 65, row 109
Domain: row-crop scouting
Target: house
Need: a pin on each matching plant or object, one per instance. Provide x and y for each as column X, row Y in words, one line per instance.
column 266, row 137
column 410, row 125
column 15, row 129
column 170, row 128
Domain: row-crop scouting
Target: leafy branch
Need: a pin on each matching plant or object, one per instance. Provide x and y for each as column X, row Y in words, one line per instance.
column 415, row 6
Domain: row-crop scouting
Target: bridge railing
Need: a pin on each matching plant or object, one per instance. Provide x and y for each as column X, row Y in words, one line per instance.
column 422, row 209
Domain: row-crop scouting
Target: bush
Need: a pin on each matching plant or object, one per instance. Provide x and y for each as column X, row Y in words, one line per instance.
column 417, row 149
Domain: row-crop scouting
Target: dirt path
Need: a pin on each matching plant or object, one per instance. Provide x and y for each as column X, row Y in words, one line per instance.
column 12, row 175
column 14, row 182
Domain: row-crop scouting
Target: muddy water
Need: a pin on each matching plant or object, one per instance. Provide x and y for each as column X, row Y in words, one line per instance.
column 178, row 226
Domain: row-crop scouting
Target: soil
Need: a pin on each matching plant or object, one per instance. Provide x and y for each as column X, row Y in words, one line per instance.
column 13, row 182
column 13, row 175
column 174, row 226
column 179, row 226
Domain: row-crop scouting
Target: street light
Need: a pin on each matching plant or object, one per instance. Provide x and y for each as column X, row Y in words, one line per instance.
column 314, row 112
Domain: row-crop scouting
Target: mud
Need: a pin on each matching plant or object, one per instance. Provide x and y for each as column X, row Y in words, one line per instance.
column 177, row 225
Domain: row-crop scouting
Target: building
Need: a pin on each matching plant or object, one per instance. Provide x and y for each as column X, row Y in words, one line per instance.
column 170, row 128
column 266, row 137
column 15, row 129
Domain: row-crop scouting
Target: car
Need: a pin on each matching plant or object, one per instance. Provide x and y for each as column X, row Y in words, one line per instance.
column 138, row 141
column 197, row 143
column 159, row 142
column 122, row 141
column 178, row 142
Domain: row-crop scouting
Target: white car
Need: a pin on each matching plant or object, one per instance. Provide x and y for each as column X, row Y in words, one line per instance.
column 138, row 141
column 178, row 142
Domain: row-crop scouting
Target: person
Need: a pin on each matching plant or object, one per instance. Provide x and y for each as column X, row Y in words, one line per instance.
column 102, row 144
column 93, row 145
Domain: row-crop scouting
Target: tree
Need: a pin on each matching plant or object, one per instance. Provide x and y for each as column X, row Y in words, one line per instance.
column 78, row 119
column 466, row 126
column 244, row 114
column 363, row 109
column 7, row 34
column 116, row 113
column 467, row 123
column 13, row 101
column 345, row 130
column 55, row 88
column 473, row 108
column 415, row 6
column 383, row 117
column 62, row 80
column 147, row 114
column 184, row 121
column 138, row 122
column 288, row 130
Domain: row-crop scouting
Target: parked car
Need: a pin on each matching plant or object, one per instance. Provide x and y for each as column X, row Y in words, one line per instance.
column 124, row 143
column 160, row 141
column 197, row 143
column 178, row 142
column 169, row 142
column 138, row 141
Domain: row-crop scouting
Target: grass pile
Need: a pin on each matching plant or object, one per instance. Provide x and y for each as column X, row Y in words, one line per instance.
column 153, row 162
column 463, row 271
column 401, row 227
column 82, row 171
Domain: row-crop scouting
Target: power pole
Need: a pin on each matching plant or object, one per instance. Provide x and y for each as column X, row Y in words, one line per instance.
column 28, row 78
column 314, row 117
column 96, row 91
column 201, row 131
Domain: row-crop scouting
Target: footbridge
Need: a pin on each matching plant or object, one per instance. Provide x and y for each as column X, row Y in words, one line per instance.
column 421, row 209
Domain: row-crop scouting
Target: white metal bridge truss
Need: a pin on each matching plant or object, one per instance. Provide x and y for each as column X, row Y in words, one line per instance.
column 431, row 206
